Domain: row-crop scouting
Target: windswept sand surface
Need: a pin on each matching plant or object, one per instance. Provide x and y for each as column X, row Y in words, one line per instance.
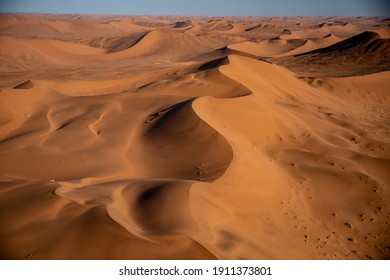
column 194, row 138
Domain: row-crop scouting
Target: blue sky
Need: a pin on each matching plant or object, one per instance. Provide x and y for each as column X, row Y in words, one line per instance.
column 204, row 7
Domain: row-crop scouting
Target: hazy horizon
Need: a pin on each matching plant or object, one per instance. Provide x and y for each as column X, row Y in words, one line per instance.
column 203, row 8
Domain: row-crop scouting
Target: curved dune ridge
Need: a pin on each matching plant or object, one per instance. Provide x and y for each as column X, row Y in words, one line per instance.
column 193, row 138
column 141, row 175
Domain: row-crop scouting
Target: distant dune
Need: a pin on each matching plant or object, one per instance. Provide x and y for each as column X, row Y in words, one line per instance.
column 365, row 53
column 194, row 138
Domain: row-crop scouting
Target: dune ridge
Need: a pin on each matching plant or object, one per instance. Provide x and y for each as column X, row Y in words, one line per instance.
column 193, row 138
column 364, row 53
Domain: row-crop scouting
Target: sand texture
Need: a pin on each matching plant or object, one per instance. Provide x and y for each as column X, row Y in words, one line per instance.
column 135, row 137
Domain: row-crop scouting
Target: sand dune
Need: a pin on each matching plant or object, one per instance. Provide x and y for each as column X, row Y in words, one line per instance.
column 293, row 173
column 365, row 53
column 171, row 46
column 270, row 47
column 193, row 138
column 216, row 26
column 280, row 47
column 160, row 46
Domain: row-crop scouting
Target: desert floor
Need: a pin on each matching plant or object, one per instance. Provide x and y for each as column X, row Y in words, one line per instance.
column 136, row 137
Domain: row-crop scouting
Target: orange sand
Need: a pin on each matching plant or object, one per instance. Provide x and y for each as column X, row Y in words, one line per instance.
column 194, row 138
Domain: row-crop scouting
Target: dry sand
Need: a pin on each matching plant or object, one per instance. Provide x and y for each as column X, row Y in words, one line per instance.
column 194, row 138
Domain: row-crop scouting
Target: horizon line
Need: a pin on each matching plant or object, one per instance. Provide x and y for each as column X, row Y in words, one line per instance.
column 195, row 15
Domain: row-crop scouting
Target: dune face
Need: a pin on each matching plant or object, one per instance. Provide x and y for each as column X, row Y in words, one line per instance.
column 194, row 138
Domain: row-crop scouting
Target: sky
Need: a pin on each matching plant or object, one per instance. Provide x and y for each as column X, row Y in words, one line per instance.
column 203, row 7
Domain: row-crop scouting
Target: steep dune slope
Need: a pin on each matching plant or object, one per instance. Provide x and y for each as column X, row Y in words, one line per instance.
column 298, row 186
column 142, row 183
column 171, row 46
